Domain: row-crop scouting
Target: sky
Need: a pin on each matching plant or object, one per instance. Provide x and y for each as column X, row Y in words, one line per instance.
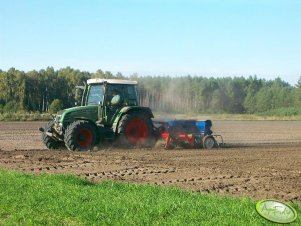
column 212, row 38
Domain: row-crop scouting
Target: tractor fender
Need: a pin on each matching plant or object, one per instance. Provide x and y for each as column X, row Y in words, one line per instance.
column 127, row 110
column 83, row 118
column 86, row 119
column 91, row 121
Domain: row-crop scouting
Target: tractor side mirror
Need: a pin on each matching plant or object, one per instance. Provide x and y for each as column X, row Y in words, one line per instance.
column 79, row 90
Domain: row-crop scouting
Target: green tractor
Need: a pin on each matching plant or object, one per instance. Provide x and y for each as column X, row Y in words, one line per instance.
column 109, row 112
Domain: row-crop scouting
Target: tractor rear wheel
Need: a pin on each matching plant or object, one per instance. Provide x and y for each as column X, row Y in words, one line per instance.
column 136, row 130
column 80, row 135
column 209, row 142
column 49, row 142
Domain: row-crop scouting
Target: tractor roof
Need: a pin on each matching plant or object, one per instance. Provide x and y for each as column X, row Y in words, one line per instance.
column 111, row 81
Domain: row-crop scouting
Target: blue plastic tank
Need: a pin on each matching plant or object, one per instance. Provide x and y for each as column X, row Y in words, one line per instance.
column 204, row 126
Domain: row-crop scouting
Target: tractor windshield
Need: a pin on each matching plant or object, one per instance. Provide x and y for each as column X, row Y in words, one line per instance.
column 95, row 95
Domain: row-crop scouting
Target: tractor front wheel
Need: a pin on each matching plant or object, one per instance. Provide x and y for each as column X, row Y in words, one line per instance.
column 136, row 130
column 49, row 142
column 80, row 136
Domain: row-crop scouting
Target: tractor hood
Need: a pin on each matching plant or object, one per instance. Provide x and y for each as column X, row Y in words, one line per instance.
column 68, row 115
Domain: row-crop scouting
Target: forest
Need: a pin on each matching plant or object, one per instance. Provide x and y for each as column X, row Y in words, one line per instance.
column 49, row 90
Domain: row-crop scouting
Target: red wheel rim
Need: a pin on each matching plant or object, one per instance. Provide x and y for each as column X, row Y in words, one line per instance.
column 84, row 137
column 136, row 131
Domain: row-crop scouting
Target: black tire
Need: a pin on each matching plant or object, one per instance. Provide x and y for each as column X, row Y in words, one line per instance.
column 49, row 142
column 80, row 135
column 136, row 130
column 209, row 142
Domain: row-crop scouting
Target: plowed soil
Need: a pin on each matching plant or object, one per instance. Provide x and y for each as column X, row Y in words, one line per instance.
column 261, row 159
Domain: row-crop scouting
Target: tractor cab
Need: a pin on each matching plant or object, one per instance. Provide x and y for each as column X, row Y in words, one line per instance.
column 110, row 95
column 102, row 91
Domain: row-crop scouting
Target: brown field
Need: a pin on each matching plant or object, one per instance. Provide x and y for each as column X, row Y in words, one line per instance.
column 262, row 159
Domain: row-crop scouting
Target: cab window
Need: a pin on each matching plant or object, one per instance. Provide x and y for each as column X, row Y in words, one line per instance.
column 95, row 95
column 131, row 96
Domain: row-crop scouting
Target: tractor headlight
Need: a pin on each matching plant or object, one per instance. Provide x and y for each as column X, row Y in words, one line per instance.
column 58, row 127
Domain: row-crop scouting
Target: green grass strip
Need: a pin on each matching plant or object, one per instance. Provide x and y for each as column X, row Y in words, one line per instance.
column 69, row 200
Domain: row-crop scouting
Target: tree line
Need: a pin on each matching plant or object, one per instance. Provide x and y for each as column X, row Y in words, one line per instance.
column 37, row 91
